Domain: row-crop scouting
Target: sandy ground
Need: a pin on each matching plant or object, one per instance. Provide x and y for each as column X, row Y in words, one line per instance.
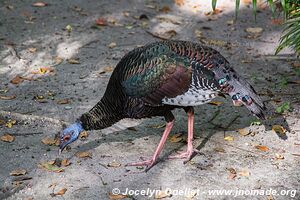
column 35, row 37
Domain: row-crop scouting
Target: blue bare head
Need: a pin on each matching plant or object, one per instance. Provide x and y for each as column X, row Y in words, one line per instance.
column 69, row 135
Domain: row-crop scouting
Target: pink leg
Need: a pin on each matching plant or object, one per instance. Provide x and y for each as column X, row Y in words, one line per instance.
column 188, row 154
column 149, row 163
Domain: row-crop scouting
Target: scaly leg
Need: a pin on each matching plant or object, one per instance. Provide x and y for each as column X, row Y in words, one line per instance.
column 152, row 161
column 190, row 150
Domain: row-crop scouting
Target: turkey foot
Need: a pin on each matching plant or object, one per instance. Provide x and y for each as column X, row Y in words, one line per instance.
column 187, row 155
column 148, row 163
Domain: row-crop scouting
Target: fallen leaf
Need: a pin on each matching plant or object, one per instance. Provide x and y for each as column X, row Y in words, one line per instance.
column 232, row 173
column 228, row 138
column 7, row 97
column 83, row 135
column 170, row 19
column 279, row 156
column 18, row 172
column 244, row 131
column 244, row 172
column 278, row 129
column 296, row 64
column 63, row 101
column 262, row 148
column 112, row 196
column 10, row 123
column 7, row 138
column 219, row 149
column 277, row 21
column 165, row 9
column 84, row 154
column 101, row 21
column 219, row 43
column 215, row 103
column 65, row 162
column 114, row 164
column 60, row 192
column 73, row 61
column 58, row 60
column 32, row 49
column 50, row 141
column 179, row 2
column 17, row 80
column 254, row 30
column 106, row 69
column 69, row 28
column 179, row 137
column 230, row 22
column 51, row 167
column 45, row 70
column 112, row 45
column 39, row 4
column 162, row 194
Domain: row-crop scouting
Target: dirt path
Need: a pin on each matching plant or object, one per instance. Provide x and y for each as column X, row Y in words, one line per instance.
column 57, row 52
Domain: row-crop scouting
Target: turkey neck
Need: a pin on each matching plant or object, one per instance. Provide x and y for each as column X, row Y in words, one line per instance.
column 104, row 114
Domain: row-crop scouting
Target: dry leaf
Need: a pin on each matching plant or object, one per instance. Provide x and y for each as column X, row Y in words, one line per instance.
column 58, row 60
column 278, row 129
column 230, row 22
column 60, row 192
column 112, row 45
column 51, row 167
column 10, row 123
column 106, row 69
column 101, row 22
column 244, row 172
column 17, row 80
column 65, row 162
column 84, row 154
column 279, row 156
column 7, row 97
column 50, row 141
column 83, row 134
column 162, row 194
column 7, row 138
column 18, row 172
column 228, row 138
column 219, row 149
column 179, row 2
column 232, row 173
column 262, row 148
column 244, row 131
column 113, row 164
column 277, row 21
column 45, row 70
column 39, row 4
column 63, row 101
column 73, row 61
column 254, row 30
column 112, row 196
column 215, row 103
column 296, row 64
column 32, row 49
column 179, row 137
column 165, row 9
